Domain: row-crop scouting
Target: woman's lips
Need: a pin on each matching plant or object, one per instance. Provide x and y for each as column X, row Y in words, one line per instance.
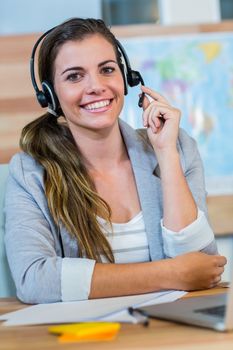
column 94, row 106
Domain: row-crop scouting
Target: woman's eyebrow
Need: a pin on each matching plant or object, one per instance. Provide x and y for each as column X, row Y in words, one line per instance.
column 81, row 68
column 105, row 62
column 72, row 68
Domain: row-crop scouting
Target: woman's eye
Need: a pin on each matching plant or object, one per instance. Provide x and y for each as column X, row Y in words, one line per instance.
column 73, row 76
column 108, row 70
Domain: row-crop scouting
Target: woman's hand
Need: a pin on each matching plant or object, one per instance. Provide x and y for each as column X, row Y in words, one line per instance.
column 162, row 121
column 196, row 270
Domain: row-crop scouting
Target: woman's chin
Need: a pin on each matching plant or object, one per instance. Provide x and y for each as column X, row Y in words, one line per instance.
column 102, row 123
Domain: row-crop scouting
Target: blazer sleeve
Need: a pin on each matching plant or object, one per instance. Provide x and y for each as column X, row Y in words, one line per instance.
column 194, row 173
column 40, row 274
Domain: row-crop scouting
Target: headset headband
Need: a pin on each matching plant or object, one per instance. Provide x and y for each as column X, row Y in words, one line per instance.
column 32, row 59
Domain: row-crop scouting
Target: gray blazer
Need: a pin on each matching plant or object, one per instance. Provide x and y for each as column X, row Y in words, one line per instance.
column 33, row 243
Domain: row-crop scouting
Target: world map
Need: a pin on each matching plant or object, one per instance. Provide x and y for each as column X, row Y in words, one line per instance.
column 195, row 73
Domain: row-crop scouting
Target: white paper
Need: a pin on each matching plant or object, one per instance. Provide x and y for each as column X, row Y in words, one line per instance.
column 114, row 309
column 124, row 316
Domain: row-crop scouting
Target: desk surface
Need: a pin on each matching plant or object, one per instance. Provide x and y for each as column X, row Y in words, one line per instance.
column 160, row 335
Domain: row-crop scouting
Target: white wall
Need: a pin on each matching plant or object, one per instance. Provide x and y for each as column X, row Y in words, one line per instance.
column 189, row 11
column 26, row 16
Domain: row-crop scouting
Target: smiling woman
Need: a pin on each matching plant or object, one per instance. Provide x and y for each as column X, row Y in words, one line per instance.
column 93, row 207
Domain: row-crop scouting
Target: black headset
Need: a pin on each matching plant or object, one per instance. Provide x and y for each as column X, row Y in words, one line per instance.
column 47, row 96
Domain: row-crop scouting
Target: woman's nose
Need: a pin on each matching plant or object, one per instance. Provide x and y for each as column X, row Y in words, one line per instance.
column 95, row 84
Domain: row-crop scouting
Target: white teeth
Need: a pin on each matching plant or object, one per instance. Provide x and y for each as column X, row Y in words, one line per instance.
column 97, row 105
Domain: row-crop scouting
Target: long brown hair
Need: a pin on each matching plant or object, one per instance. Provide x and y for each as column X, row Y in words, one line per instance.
column 71, row 194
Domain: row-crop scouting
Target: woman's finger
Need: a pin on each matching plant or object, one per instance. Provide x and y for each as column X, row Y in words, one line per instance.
column 145, row 102
column 221, row 260
column 154, row 119
column 161, row 111
column 217, row 280
column 153, row 94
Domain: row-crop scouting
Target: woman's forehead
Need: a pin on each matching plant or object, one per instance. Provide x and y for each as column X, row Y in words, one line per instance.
column 90, row 42
column 94, row 47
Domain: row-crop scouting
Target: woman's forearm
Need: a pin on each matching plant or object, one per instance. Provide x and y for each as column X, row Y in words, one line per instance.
column 189, row 271
column 180, row 208
column 127, row 279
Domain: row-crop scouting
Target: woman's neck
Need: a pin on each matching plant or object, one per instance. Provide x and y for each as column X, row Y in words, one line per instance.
column 102, row 151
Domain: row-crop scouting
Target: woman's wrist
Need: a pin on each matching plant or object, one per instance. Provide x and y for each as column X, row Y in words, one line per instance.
column 163, row 272
column 168, row 160
column 167, row 151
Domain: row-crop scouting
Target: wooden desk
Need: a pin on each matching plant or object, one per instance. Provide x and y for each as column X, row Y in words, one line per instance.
column 160, row 335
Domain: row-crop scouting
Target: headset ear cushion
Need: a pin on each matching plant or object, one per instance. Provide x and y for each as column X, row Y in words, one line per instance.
column 133, row 78
column 42, row 99
column 52, row 100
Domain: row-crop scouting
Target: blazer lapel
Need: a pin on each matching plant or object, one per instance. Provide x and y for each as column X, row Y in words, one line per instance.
column 144, row 163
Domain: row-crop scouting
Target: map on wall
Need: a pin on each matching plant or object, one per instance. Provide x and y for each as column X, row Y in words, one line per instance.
column 195, row 73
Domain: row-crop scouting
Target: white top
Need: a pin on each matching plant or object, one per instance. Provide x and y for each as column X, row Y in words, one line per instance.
column 128, row 241
column 129, row 244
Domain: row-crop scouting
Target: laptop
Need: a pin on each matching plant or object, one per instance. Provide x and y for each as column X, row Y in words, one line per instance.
column 213, row 311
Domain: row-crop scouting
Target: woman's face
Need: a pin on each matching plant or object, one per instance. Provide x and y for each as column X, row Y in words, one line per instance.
column 89, row 84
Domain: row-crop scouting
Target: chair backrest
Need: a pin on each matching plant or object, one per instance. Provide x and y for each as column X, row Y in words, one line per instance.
column 7, row 287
